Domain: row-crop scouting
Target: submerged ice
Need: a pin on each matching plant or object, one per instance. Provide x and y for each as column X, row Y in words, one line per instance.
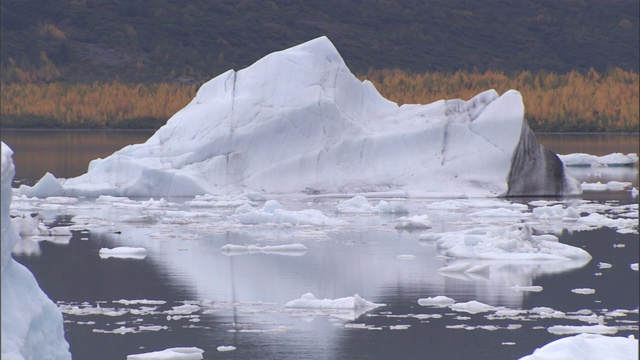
column 298, row 121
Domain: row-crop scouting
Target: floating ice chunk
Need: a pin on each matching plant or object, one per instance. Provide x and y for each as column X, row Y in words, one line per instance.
column 581, row 329
column 604, row 265
column 615, row 159
column 152, row 327
column 357, row 204
column 272, row 212
column 355, row 302
column 439, row 301
column 611, row 186
column 583, row 291
column 177, row 353
column 224, row 348
column 121, row 330
column 123, row 252
column 413, row 222
column 289, row 249
column 500, row 212
column 634, row 192
column 594, row 186
column 504, row 244
column 555, row 212
column 399, row 327
column 186, row 309
column 588, row 347
column 472, row 307
column 634, row 266
column 360, row 205
column 527, row 288
column 141, row 301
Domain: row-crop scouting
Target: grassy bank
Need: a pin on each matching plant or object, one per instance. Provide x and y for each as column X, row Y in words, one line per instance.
column 571, row 102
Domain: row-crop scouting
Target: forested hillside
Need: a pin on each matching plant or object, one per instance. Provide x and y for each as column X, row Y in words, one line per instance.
column 138, row 41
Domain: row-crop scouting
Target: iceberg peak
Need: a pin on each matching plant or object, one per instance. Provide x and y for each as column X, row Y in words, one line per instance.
column 298, row 121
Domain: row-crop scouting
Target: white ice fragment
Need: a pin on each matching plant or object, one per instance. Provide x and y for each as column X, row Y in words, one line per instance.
column 123, row 252
column 439, row 301
column 527, row 288
column 399, row 327
column 224, row 348
column 472, row 307
column 177, row 353
column 506, row 244
column 413, row 222
column 288, row 249
column 185, row 309
column 580, row 329
column 583, row 291
column 634, row 266
column 604, row 265
column 308, row 300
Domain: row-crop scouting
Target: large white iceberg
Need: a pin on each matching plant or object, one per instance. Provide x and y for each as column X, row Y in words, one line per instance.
column 31, row 322
column 298, row 121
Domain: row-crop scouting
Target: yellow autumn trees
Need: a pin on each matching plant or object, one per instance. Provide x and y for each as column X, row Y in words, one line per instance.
column 99, row 105
column 553, row 102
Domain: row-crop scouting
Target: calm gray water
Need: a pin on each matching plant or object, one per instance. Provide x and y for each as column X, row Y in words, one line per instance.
column 240, row 298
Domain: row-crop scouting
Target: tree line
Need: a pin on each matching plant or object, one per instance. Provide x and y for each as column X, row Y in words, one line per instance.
column 570, row 102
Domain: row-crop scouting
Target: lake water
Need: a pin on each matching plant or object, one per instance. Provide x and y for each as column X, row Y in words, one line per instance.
column 238, row 298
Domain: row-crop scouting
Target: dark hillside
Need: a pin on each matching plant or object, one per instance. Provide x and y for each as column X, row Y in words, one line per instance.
column 160, row 40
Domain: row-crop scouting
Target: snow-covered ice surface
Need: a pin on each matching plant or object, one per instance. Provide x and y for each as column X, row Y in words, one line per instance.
column 588, row 347
column 299, row 122
column 31, row 323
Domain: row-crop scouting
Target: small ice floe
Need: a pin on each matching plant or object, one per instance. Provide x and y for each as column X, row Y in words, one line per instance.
column 399, row 327
column 288, row 249
column 309, row 301
column 587, row 160
column 610, row 186
column 177, row 353
column 224, row 348
column 141, row 301
column 123, row 252
column 213, row 201
column 604, row 265
column 273, row 213
column 634, row 192
column 527, row 288
column 588, row 347
column 186, row 309
column 583, row 291
column 413, row 222
column 472, row 307
column 360, row 205
column 121, row 330
column 555, row 212
column 437, row 301
column 500, row 212
column 505, row 244
column 582, row 329
column 634, row 266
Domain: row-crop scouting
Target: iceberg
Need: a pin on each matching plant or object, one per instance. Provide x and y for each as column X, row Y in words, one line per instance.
column 299, row 122
column 31, row 323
